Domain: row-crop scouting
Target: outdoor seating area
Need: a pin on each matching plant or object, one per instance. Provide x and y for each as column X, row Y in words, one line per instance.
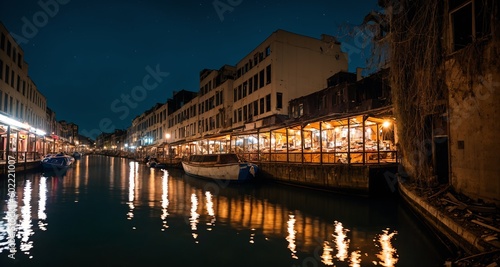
column 354, row 140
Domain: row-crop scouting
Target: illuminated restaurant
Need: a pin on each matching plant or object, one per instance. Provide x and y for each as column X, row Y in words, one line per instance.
column 358, row 139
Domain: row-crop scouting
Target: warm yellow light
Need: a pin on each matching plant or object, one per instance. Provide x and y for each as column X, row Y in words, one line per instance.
column 167, row 135
column 386, row 124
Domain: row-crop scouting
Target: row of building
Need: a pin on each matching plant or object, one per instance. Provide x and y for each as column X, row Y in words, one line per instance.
column 28, row 128
column 290, row 99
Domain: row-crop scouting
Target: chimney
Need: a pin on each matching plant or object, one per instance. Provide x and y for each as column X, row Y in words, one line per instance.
column 358, row 73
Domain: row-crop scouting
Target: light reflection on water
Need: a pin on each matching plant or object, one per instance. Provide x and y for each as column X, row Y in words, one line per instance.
column 291, row 236
column 388, row 255
column 25, row 230
column 164, row 200
column 42, row 216
column 194, row 216
column 286, row 227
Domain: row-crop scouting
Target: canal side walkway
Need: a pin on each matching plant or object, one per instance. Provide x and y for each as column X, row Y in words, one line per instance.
column 472, row 227
column 20, row 166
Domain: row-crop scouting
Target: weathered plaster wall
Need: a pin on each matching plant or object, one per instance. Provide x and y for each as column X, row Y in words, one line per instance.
column 474, row 109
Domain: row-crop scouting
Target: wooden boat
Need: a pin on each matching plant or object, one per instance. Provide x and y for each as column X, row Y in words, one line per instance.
column 220, row 167
column 57, row 162
column 155, row 163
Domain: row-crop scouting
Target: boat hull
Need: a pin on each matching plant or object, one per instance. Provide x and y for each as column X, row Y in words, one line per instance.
column 57, row 162
column 232, row 171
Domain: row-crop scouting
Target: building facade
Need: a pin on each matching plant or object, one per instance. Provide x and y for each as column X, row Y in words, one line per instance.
column 283, row 67
column 255, row 92
column 473, row 82
column 22, row 106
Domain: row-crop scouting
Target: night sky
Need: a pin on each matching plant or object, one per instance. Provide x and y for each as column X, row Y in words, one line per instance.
column 84, row 55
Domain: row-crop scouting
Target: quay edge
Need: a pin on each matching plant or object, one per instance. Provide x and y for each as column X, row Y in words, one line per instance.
column 20, row 167
column 365, row 180
column 454, row 232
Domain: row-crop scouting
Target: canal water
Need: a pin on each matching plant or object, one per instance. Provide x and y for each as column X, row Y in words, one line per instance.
column 107, row 211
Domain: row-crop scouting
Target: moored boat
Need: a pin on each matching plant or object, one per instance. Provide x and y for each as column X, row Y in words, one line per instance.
column 77, row 155
column 220, row 167
column 58, row 161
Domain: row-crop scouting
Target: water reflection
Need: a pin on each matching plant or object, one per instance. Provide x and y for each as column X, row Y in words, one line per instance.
column 194, row 216
column 327, row 257
column 131, row 189
column 355, row 259
column 340, row 241
column 25, row 230
column 292, row 227
column 291, row 235
column 164, row 200
column 42, row 216
column 388, row 255
column 210, row 210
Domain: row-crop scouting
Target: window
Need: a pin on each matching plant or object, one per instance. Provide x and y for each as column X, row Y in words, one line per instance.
column 250, row 110
column 234, row 94
column 268, row 51
column 255, row 108
column 14, row 54
column 255, row 82
column 250, row 84
column 301, row 109
column 340, row 97
column 11, row 104
column 8, row 48
column 268, row 102
column 18, row 85
column 19, row 60
column 268, row 74
column 244, row 89
column 239, row 115
column 1, row 71
column 322, row 102
column 2, row 42
column 261, row 79
column 261, row 105
column 239, row 92
column 279, row 100
column 470, row 21
column 245, row 113
column 7, row 72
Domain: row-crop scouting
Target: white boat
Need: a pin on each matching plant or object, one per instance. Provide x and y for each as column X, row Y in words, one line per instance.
column 58, row 161
column 220, row 167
